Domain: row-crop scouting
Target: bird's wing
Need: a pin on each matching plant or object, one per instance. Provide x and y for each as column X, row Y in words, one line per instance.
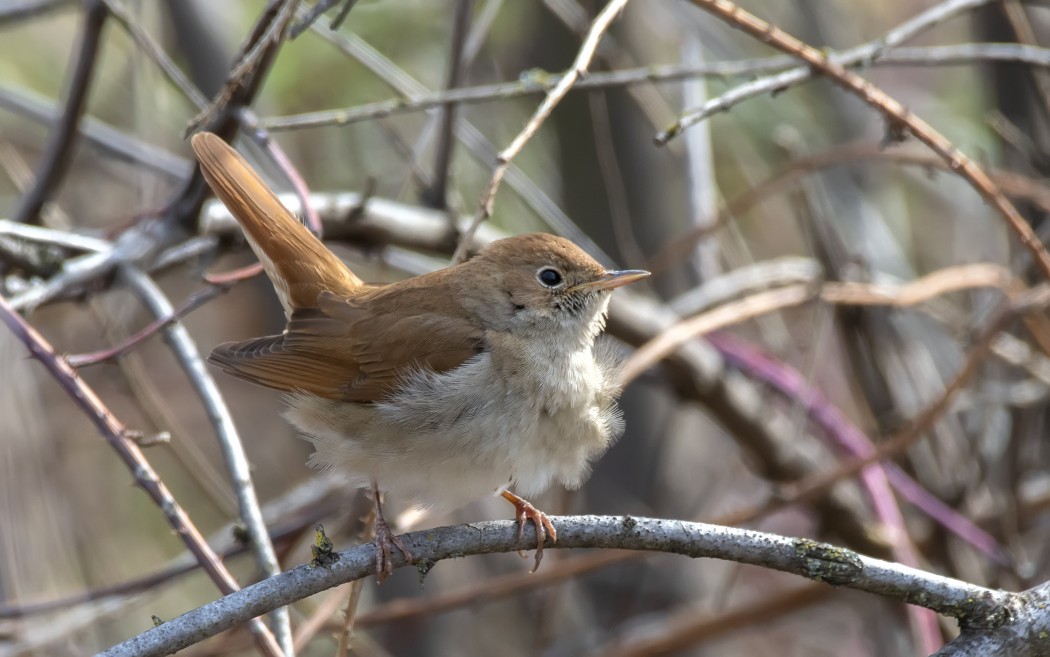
column 351, row 352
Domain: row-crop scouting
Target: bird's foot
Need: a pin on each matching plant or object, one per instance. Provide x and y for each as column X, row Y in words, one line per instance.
column 524, row 510
column 386, row 540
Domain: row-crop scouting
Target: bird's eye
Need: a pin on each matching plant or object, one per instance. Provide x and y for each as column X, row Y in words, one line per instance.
column 549, row 277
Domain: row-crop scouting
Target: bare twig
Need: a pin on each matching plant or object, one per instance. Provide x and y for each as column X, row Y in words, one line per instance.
column 898, row 117
column 345, row 634
column 255, row 57
column 115, row 434
column 194, row 301
column 298, row 509
column 866, row 53
column 242, row 84
column 437, row 195
column 534, row 83
column 317, row 10
column 579, row 69
column 57, row 158
column 936, row 284
column 170, row 70
column 854, row 442
column 189, row 357
column 475, row 38
column 61, row 238
column 105, row 138
column 1033, row 299
column 135, row 245
column 475, row 142
column 1011, row 183
column 1017, row 16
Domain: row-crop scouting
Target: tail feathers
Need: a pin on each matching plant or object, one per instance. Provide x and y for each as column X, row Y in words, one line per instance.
column 298, row 264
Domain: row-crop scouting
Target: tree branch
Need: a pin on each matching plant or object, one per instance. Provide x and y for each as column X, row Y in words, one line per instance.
column 972, row 605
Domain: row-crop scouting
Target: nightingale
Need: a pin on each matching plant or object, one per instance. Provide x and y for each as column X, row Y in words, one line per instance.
column 445, row 387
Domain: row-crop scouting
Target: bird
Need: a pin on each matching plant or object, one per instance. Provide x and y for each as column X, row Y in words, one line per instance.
column 486, row 377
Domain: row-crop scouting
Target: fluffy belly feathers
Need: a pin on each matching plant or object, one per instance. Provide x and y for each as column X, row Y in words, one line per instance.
column 443, row 440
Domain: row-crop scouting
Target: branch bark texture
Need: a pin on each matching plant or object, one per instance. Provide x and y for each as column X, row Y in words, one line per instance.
column 972, row 605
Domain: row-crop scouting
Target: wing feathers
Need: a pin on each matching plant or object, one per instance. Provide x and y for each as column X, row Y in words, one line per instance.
column 331, row 359
column 344, row 340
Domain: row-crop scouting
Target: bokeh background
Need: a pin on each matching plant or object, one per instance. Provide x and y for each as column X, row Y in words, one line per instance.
column 86, row 558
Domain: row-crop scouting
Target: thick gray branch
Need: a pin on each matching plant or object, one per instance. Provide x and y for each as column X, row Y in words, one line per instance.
column 1026, row 635
column 974, row 606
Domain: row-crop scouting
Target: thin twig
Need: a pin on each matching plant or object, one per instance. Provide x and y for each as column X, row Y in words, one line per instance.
column 475, row 39
column 437, row 195
column 107, row 139
column 1034, row 299
column 62, row 238
column 260, row 49
column 188, row 356
column 194, row 301
column 1017, row 16
column 1013, row 184
column 866, row 53
column 615, row 56
column 57, row 157
column 115, row 434
column 137, row 244
column 255, row 56
column 309, row 16
column 536, row 82
column 898, row 117
column 298, row 509
column 554, row 96
column 170, row 70
column 472, row 138
column 793, row 386
column 938, row 283
column 345, row 634
column 679, row 630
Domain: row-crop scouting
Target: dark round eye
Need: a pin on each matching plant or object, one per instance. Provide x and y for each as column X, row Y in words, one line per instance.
column 549, row 277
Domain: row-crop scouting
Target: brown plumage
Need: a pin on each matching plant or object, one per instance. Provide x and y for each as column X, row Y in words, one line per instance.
column 443, row 386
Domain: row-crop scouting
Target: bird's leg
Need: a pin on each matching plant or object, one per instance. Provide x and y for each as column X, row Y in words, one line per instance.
column 525, row 511
column 385, row 539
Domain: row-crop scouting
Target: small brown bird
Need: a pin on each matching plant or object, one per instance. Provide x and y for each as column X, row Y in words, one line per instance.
column 444, row 387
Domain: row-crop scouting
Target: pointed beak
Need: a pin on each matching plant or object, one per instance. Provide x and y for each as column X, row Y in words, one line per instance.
column 613, row 279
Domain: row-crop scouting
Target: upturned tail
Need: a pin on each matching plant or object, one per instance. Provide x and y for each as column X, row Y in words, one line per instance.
column 298, row 264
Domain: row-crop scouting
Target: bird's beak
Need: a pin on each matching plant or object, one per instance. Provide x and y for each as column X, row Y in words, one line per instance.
column 612, row 279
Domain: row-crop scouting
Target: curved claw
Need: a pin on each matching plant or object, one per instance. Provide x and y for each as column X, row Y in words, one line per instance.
column 524, row 510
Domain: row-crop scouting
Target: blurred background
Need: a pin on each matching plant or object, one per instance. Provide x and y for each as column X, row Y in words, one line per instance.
column 800, row 185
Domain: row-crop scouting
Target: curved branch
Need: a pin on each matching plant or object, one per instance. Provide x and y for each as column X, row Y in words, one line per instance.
column 232, row 447
column 554, row 96
column 116, row 435
column 899, row 119
column 974, row 606
column 1024, row 636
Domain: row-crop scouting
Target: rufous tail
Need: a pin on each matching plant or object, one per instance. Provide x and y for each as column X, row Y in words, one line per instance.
column 298, row 264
